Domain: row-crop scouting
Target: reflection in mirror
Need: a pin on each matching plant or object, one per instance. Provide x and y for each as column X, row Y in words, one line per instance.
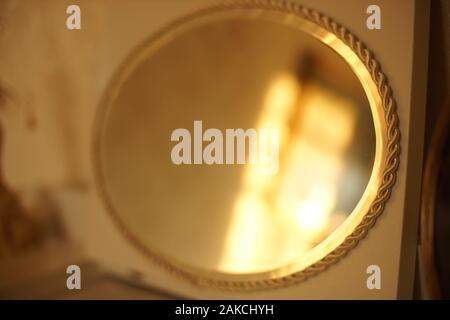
column 237, row 72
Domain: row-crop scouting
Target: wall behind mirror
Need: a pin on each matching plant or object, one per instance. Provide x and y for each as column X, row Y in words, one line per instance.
column 59, row 88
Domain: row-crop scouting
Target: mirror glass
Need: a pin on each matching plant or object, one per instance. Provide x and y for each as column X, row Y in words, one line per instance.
column 193, row 189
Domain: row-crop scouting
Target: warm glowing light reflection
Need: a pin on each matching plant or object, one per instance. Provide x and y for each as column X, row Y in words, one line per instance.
column 289, row 213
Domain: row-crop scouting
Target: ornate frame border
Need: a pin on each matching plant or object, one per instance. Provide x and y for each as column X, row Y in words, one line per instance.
column 390, row 162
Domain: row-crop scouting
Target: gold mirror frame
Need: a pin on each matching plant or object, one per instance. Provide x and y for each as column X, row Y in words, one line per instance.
column 387, row 133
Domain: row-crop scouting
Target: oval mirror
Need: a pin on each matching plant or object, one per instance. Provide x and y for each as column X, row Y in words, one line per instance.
column 245, row 144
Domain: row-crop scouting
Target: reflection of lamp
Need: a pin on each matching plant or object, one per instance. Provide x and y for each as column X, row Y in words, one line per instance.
column 311, row 214
column 314, row 161
column 251, row 211
column 288, row 213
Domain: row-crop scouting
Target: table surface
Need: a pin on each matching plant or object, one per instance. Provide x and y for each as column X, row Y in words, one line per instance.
column 41, row 274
